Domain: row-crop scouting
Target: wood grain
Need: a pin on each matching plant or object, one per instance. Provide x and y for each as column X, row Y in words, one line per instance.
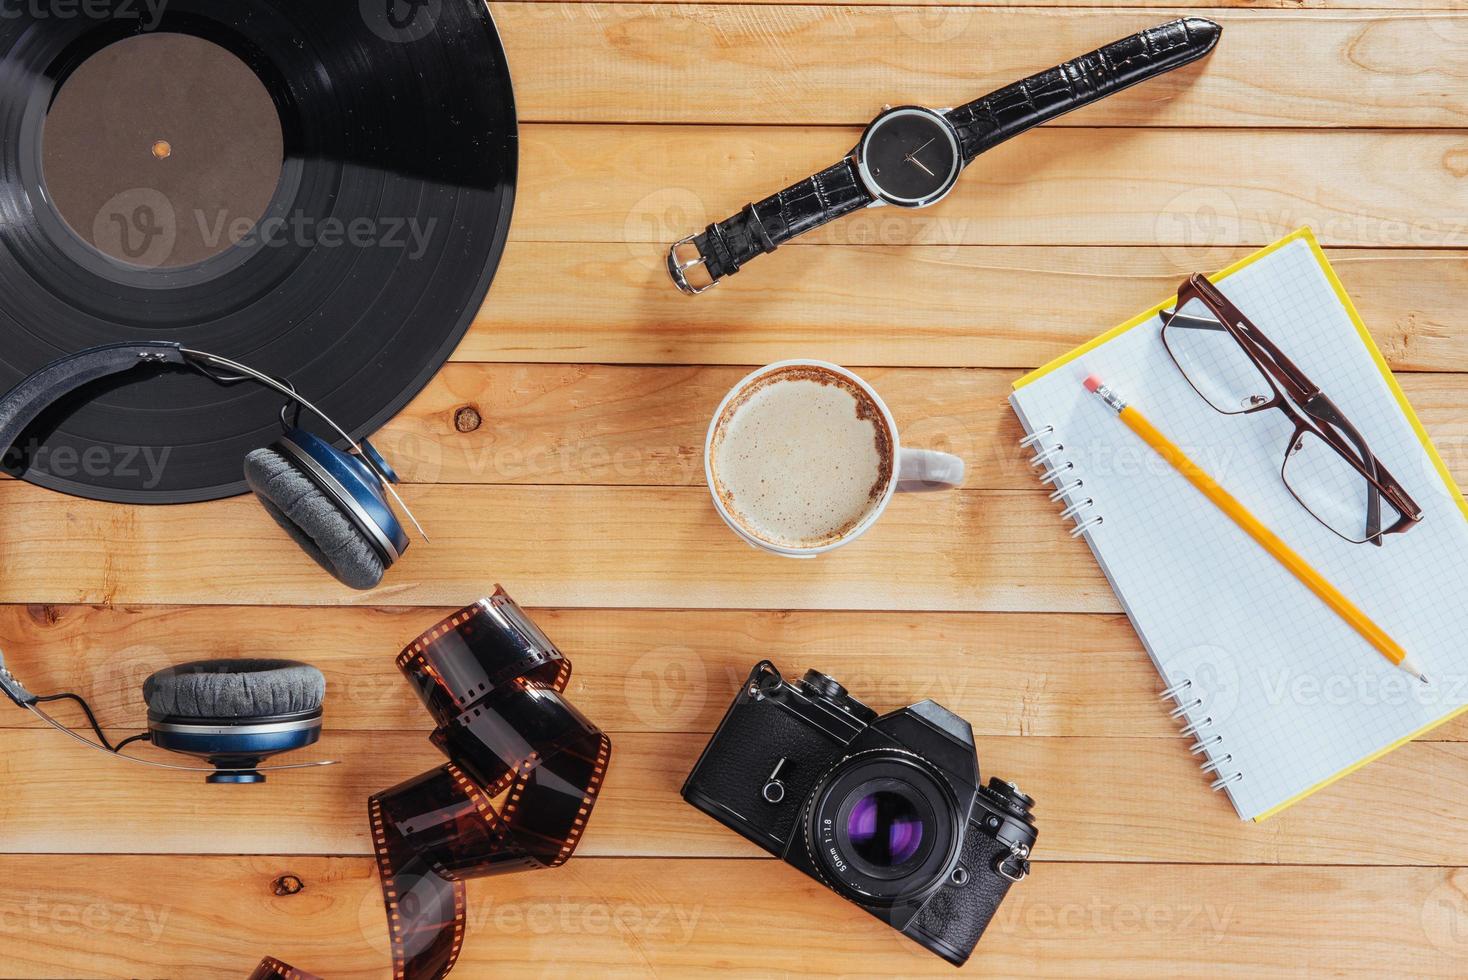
column 585, row 424
column 636, row 670
column 580, row 489
column 577, row 546
column 792, row 64
column 1105, row 5
column 939, row 306
column 633, row 918
column 655, row 184
column 1139, row 784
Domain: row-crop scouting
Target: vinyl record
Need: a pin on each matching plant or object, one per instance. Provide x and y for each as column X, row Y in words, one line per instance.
column 320, row 189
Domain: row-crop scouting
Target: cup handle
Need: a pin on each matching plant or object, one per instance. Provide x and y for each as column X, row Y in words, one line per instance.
column 920, row 470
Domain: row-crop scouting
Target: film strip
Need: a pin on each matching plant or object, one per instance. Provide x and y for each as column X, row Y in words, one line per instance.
column 271, row 968
column 1061, row 473
column 523, row 775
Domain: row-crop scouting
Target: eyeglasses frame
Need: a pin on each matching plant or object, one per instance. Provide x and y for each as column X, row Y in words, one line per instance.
column 1316, row 413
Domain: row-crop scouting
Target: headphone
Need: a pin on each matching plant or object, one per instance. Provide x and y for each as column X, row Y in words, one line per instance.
column 234, row 713
column 230, row 713
column 332, row 503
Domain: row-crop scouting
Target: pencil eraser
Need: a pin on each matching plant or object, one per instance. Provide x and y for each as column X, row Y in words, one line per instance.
column 1093, row 382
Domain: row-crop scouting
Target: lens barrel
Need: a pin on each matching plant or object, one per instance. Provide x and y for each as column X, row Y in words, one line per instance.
column 882, row 827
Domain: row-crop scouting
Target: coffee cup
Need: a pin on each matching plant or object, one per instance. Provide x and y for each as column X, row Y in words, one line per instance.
column 803, row 457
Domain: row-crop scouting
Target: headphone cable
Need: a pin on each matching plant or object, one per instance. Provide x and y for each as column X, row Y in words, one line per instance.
column 92, row 720
column 140, row 737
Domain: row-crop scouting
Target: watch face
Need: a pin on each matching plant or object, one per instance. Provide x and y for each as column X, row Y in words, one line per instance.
column 909, row 157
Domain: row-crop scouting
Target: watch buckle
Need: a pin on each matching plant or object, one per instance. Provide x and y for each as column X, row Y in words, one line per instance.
column 678, row 268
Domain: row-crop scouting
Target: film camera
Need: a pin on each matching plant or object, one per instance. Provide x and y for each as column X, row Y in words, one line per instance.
column 886, row 811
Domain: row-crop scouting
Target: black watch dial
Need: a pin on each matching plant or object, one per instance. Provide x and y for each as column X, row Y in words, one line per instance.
column 909, row 157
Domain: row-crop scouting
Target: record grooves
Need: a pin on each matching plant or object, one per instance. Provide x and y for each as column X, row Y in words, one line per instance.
column 322, row 190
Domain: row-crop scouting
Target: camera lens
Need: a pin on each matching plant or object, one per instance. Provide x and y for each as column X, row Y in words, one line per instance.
column 882, row 827
column 885, row 828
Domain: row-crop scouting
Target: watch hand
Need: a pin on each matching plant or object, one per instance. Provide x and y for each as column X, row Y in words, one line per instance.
column 920, row 164
column 921, row 148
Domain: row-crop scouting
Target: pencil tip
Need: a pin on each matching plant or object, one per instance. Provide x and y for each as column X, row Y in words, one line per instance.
column 1411, row 668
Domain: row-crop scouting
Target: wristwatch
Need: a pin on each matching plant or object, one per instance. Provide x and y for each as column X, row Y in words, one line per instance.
column 911, row 156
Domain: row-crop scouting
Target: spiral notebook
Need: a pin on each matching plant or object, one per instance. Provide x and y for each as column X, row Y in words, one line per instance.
column 1276, row 696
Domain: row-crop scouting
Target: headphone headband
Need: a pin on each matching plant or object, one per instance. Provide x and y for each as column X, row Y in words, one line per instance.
column 27, row 400
column 60, row 378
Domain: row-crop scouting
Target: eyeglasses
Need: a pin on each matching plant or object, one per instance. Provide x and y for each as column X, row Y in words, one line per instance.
column 1327, row 465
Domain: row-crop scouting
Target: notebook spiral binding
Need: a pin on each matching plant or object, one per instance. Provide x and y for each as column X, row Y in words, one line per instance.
column 1205, row 741
column 1058, row 471
column 1054, row 471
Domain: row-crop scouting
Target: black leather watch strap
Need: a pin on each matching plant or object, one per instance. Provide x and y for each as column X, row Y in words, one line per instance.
column 723, row 248
column 987, row 122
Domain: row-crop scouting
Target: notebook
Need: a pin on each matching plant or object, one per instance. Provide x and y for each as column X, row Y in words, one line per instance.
column 1276, row 695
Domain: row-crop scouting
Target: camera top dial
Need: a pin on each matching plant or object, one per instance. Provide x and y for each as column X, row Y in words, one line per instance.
column 823, row 687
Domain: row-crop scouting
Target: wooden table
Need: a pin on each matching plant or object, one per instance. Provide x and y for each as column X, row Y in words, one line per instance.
column 582, row 491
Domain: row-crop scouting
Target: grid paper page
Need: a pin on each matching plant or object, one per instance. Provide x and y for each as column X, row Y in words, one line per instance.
column 1285, row 693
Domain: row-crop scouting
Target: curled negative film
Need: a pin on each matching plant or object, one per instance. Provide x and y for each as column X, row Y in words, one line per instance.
column 1057, row 472
column 523, row 775
column 1188, row 703
column 271, row 968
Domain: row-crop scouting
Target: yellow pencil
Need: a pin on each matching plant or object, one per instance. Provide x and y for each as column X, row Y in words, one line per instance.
column 1255, row 528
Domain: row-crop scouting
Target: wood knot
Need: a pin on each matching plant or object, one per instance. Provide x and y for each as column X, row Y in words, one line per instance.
column 467, row 419
column 44, row 615
column 1456, row 160
column 287, row 885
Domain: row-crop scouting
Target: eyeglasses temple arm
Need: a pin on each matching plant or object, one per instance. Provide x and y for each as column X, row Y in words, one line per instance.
column 1323, row 409
column 1302, row 389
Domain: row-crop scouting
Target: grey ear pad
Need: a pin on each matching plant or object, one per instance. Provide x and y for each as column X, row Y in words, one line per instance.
column 313, row 519
column 242, row 688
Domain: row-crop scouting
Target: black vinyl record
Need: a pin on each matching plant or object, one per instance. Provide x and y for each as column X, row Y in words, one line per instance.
column 320, row 189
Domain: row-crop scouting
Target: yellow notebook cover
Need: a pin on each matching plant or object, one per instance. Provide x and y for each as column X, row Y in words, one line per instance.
column 1218, row 621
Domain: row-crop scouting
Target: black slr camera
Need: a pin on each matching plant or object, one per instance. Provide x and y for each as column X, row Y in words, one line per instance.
column 886, row 811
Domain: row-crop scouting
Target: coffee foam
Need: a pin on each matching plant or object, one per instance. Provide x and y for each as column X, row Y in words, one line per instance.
column 801, row 457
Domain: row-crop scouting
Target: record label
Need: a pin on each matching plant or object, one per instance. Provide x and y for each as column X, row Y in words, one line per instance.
column 162, row 150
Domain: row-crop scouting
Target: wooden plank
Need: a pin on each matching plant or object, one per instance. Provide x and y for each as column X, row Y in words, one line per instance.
column 583, row 424
column 957, row 306
column 1214, row 188
column 599, row 547
column 824, row 64
column 212, row 918
column 636, row 670
column 646, row 426
column 642, row 814
column 1092, row 5
column 564, row 546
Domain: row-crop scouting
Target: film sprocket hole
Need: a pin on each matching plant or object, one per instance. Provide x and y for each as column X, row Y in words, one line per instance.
column 887, row 811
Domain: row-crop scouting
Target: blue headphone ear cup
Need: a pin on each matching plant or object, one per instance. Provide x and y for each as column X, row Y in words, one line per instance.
column 313, row 519
column 235, row 713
